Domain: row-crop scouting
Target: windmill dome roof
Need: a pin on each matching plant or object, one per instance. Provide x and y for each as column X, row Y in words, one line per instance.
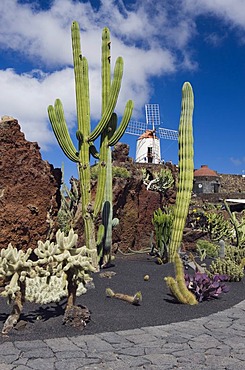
column 205, row 171
column 148, row 134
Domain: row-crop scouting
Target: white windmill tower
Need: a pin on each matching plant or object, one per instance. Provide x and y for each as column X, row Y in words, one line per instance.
column 148, row 144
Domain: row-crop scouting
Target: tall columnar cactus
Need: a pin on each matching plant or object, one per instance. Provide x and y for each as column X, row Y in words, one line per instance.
column 186, row 169
column 86, row 137
column 185, row 183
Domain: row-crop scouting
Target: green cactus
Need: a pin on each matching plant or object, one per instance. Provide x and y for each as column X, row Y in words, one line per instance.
column 162, row 221
column 69, row 204
column 207, row 249
column 186, row 169
column 106, row 128
column 61, row 269
column 177, row 286
column 234, row 253
column 108, row 222
column 217, row 227
column 225, row 266
column 239, row 226
column 162, row 180
column 185, row 183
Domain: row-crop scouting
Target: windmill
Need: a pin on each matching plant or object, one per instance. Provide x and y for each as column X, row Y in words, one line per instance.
column 149, row 132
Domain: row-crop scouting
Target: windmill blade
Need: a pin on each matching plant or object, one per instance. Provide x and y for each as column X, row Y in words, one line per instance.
column 166, row 133
column 152, row 113
column 136, row 128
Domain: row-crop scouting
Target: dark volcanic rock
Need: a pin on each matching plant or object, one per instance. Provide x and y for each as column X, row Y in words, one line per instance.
column 29, row 189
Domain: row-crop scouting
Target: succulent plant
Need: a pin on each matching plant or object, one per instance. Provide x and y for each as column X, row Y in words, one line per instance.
column 217, row 227
column 206, row 248
column 61, row 269
column 235, row 254
column 239, row 226
column 178, row 286
column 186, row 169
column 225, row 266
column 162, row 180
column 106, row 129
column 205, row 287
column 104, row 240
column 162, row 221
column 69, row 204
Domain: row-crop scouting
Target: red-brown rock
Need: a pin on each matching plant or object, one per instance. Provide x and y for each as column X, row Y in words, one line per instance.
column 29, row 190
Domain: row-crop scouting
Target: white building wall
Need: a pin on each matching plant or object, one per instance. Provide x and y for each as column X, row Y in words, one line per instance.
column 145, row 147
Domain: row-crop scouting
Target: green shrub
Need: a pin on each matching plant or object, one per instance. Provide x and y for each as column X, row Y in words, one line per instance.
column 207, row 249
column 120, row 172
column 117, row 171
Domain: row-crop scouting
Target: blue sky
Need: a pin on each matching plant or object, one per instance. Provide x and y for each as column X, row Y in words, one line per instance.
column 163, row 43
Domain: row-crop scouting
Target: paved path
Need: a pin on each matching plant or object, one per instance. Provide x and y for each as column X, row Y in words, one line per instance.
column 214, row 342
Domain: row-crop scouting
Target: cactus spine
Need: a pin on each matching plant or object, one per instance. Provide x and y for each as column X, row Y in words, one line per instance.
column 186, row 169
column 110, row 92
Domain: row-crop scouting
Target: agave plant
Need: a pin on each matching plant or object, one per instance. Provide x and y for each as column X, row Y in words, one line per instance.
column 205, row 287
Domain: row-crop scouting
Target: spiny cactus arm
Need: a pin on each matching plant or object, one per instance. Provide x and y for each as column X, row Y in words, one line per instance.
column 83, row 116
column 81, row 82
column 56, row 117
column 107, row 222
column 174, row 289
column 93, row 151
column 186, row 169
column 124, row 123
column 112, row 100
column 100, row 235
column 12, row 288
column 103, row 164
column 106, row 67
column 108, row 207
column 180, row 279
column 177, row 286
column 66, row 242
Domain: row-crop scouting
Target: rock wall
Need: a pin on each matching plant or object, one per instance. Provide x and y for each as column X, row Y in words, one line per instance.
column 134, row 205
column 29, row 189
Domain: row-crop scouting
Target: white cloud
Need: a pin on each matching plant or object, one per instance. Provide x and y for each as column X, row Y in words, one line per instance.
column 152, row 38
column 231, row 11
column 26, row 98
column 237, row 161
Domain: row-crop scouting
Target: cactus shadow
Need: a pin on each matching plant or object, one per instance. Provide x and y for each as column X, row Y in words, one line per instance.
column 34, row 312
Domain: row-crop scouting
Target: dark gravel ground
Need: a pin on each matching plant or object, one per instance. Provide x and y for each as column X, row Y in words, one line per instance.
column 110, row 314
